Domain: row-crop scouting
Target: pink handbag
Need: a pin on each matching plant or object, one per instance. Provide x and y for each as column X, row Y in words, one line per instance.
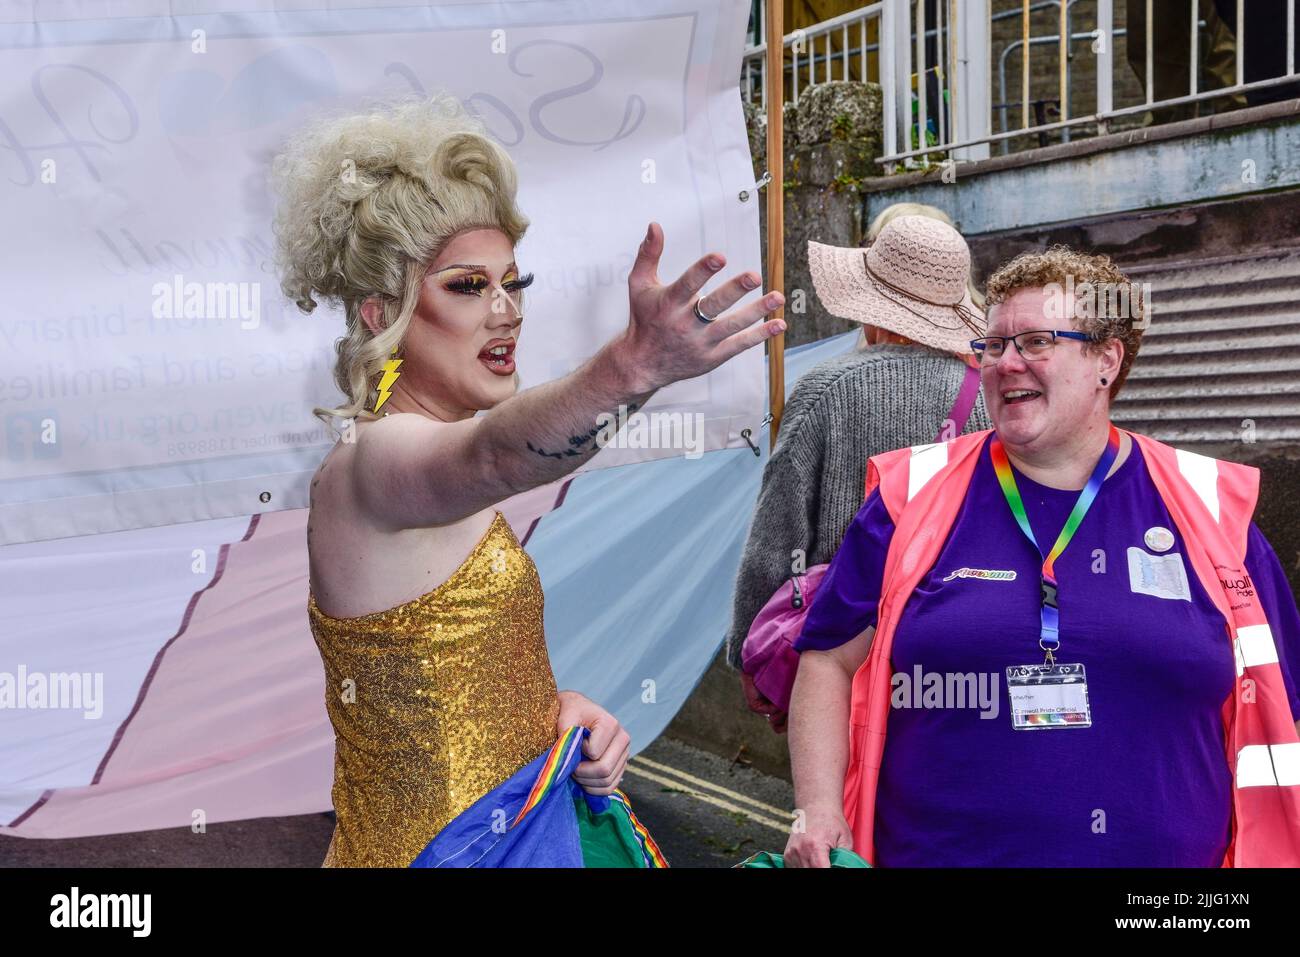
column 768, row 654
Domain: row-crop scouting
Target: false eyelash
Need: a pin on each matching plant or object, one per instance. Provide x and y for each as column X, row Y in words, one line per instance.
column 467, row 286
column 470, row 287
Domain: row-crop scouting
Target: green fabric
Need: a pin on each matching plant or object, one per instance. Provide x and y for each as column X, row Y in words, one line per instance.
column 608, row 839
column 840, row 857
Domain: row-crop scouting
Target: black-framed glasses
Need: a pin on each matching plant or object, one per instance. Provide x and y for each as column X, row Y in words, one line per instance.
column 1034, row 344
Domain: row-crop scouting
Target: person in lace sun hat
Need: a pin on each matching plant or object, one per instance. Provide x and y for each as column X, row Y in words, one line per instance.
column 913, row 281
column 910, row 379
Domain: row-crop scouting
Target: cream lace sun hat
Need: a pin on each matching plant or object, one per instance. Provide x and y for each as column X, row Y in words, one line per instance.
column 913, row 280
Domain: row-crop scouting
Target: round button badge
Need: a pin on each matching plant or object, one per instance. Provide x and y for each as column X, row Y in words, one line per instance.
column 1159, row 538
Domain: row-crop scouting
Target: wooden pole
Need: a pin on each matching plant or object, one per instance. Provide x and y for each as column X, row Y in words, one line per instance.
column 1063, row 54
column 1024, row 66
column 775, row 80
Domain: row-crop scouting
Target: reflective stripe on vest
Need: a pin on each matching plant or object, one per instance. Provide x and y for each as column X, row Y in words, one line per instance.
column 1268, row 765
column 1202, row 474
column 1254, row 647
column 925, row 463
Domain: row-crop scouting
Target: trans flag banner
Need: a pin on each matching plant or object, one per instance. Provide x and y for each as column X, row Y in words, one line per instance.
column 155, row 374
column 156, row 439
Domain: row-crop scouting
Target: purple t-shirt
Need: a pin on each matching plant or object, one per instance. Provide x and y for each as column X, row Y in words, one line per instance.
column 1148, row 783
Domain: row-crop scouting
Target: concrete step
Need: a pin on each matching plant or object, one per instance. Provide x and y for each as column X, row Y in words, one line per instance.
column 1238, row 316
column 1227, row 408
column 1223, row 339
column 1220, row 362
column 1257, row 289
column 1152, row 387
column 1203, row 363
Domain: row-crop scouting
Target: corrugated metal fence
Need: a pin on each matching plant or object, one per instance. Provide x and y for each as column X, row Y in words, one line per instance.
column 1220, row 361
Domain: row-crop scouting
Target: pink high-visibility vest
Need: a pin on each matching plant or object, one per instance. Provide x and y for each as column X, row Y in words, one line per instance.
column 1211, row 503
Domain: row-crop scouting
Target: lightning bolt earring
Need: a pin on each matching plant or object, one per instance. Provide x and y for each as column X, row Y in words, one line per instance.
column 389, row 378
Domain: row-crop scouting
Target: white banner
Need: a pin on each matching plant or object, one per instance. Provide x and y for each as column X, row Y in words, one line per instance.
column 150, row 370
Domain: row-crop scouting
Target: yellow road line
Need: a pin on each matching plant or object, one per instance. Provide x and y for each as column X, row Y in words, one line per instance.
column 698, row 782
column 709, row 799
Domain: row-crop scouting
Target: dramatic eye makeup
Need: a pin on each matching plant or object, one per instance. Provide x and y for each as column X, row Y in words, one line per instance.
column 473, row 285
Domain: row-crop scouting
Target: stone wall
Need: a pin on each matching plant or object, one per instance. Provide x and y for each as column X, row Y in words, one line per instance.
column 832, row 138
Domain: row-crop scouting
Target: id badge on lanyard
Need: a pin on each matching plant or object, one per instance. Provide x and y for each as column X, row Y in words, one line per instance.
column 1050, row 695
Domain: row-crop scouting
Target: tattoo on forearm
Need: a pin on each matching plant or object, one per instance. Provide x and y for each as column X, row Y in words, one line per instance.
column 567, row 453
column 580, row 445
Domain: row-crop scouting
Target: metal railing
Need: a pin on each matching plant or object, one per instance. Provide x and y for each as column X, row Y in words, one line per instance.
column 805, row 61
column 1003, row 105
column 1103, row 47
column 961, row 73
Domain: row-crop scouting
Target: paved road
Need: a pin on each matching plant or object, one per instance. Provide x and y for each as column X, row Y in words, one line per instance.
column 703, row 812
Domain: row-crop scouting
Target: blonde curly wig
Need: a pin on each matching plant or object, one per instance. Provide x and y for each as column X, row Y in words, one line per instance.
column 366, row 202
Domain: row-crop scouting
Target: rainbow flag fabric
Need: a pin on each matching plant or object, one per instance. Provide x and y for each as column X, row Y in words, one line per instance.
column 541, row 817
column 840, row 857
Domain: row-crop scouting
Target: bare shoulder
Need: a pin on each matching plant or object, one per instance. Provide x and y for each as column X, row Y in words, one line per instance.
column 381, row 435
column 400, row 462
column 405, row 440
column 363, row 554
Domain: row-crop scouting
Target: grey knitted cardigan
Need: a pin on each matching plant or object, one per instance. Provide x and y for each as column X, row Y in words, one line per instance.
column 840, row 413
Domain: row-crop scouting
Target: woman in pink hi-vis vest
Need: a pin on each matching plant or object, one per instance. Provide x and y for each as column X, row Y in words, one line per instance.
column 1057, row 643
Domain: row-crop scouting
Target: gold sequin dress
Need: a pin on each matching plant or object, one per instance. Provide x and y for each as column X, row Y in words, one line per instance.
column 435, row 702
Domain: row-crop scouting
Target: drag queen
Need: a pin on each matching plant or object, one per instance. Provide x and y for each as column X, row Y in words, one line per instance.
column 426, row 610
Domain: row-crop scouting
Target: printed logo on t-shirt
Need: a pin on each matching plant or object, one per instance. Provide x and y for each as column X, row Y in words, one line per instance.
column 988, row 574
column 1161, row 576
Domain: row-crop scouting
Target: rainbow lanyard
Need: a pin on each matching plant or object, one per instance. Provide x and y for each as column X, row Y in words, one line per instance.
column 1049, row 634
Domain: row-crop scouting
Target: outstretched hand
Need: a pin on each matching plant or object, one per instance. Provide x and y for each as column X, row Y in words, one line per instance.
column 665, row 342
